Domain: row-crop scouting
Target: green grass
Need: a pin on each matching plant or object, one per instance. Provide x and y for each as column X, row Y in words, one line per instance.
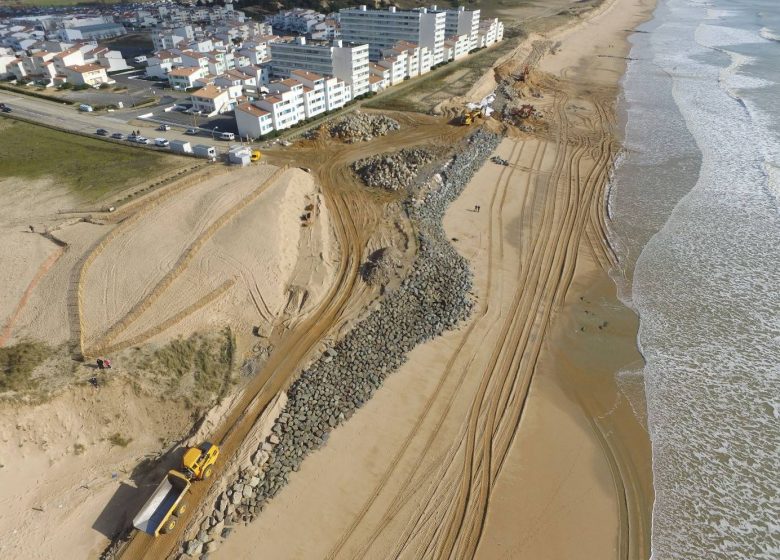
column 453, row 79
column 92, row 168
column 18, row 362
column 201, row 365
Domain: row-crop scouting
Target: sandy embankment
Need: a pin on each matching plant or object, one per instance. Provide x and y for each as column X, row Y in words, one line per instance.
column 508, row 438
column 63, row 485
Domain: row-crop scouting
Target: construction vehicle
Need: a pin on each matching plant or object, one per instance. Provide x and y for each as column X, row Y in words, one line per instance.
column 256, row 155
column 469, row 116
column 160, row 512
column 198, row 461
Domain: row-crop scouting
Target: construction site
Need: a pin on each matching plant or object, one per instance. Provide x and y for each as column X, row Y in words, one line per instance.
column 329, row 352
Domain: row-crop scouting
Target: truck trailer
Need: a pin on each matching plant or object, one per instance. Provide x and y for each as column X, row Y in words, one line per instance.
column 159, row 513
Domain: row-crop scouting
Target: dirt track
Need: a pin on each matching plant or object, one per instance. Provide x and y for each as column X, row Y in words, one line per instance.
column 433, row 499
column 359, row 221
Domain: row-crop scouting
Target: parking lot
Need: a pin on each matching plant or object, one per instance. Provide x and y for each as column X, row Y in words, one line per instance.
column 212, row 126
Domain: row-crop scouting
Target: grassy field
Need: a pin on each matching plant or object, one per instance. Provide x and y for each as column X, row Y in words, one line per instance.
column 451, row 80
column 92, row 168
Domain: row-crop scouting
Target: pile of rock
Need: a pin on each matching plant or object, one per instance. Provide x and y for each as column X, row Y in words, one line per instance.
column 433, row 298
column 361, row 127
column 381, row 266
column 499, row 160
column 392, row 171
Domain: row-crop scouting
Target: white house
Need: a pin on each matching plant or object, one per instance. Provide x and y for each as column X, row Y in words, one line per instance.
column 86, row 74
column 252, row 121
column 210, row 100
column 185, row 77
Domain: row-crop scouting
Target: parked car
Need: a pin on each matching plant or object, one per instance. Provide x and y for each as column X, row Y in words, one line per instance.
column 101, row 132
column 142, row 140
column 192, row 131
column 6, row 109
column 118, row 136
column 86, row 108
column 164, row 127
column 227, row 136
column 162, row 142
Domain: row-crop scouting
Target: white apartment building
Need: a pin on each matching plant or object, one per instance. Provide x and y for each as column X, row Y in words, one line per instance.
column 261, row 73
column 297, row 20
column 347, row 62
column 457, row 47
column 286, row 107
column 313, row 92
column 252, row 121
column 382, row 29
column 462, row 22
column 396, row 65
column 490, row 31
column 411, row 54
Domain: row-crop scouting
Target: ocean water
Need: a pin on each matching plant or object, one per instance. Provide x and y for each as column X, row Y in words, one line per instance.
column 695, row 214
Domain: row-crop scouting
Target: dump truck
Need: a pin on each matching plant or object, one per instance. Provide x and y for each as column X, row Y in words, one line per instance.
column 160, row 512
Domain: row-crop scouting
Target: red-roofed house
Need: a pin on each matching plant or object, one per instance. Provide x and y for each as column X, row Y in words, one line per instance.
column 211, row 100
column 185, row 78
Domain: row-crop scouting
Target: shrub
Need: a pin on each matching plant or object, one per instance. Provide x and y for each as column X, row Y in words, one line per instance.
column 18, row 362
column 118, row 440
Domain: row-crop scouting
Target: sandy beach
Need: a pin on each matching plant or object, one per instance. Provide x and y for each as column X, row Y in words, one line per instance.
column 510, row 437
column 519, row 434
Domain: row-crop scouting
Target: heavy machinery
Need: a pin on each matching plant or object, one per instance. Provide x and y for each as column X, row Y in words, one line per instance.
column 197, row 461
column 160, row 512
column 256, row 155
column 474, row 111
column 469, row 116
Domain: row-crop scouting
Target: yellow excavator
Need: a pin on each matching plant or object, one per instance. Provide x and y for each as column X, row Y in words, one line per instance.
column 161, row 510
column 256, row 155
column 469, row 116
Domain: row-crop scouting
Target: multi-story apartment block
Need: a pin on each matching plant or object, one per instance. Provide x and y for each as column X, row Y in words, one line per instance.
column 314, row 95
column 456, row 47
column 347, row 62
column 397, row 65
column 252, row 121
column 382, row 29
column 297, row 20
column 462, row 22
column 490, row 31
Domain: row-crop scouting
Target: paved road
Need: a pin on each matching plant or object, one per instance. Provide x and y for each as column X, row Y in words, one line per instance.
column 68, row 117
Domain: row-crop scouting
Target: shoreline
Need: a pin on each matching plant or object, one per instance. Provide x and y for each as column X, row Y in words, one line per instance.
column 388, row 481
